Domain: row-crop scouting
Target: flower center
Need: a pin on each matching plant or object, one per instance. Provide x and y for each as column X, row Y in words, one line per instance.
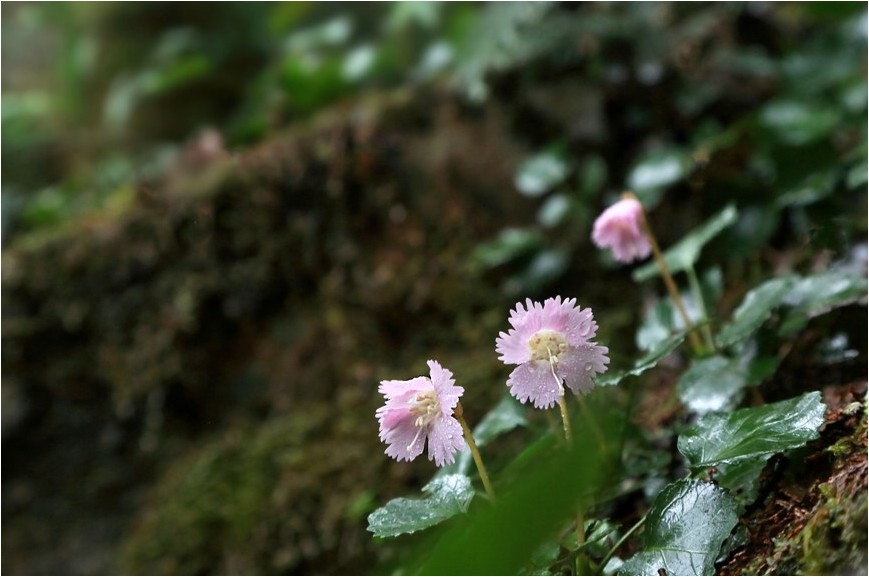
column 425, row 407
column 546, row 345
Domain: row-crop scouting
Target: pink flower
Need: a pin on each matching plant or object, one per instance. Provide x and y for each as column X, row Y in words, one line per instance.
column 419, row 409
column 552, row 345
column 619, row 228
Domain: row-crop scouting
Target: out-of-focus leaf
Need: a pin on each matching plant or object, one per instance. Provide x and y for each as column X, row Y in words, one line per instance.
column 511, row 243
column 505, row 416
column 649, row 361
column 553, row 210
column 755, row 308
column 504, row 34
column 685, row 528
column 752, row 433
column 816, row 295
column 531, row 509
column 182, row 71
column 546, row 554
column 798, row 123
column 540, row 173
column 448, row 496
column 592, row 176
column 658, row 324
column 359, row 63
column 685, row 253
column 857, row 176
column 663, row 321
column 814, row 188
column 712, row 384
column 655, row 172
column 545, row 267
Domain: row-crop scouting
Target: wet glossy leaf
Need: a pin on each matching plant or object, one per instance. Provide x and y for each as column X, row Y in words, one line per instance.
column 648, row 361
column 448, row 496
column 712, row 384
column 755, row 308
column 685, row 253
column 752, row 433
column 816, row 295
column 540, row 173
column 741, row 477
column 686, row 526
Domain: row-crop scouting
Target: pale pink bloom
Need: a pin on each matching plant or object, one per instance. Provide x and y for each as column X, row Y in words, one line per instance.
column 619, row 228
column 419, row 409
column 552, row 345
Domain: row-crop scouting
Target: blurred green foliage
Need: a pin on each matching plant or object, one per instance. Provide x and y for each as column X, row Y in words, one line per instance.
column 692, row 106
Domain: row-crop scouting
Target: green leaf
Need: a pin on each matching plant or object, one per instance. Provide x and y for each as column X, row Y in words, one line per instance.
column 816, row 295
column 532, row 508
column 807, row 297
column 541, row 173
column 712, row 384
column 592, row 176
column 448, row 496
column 755, row 308
column 658, row 324
column 751, row 433
column 656, row 171
column 505, row 416
column 857, row 175
column 546, row 554
column 742, row 477
column 510, row 244
column 554, row 210
column 648, row 361
column 799, row 123
column 599, row 537
column 815, row 187
column 685, row 528
column 685, row 253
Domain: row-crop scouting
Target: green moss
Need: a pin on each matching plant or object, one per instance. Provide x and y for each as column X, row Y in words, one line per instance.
column 833, row 534
column 260, row 501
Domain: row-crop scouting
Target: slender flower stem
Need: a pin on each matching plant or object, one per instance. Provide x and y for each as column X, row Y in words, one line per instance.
column 580, row 563
column 565, row 419
column 698, row 297
column 668, row 281
column 619, row 543
column 475, row 453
